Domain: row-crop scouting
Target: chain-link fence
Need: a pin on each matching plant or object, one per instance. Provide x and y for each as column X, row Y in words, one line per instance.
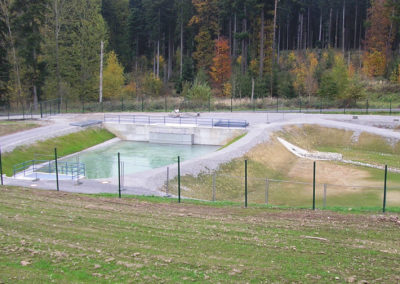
column 251, row 188
column 168, row 104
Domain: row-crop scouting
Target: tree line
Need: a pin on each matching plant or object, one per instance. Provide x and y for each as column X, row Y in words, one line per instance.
column 248, row 48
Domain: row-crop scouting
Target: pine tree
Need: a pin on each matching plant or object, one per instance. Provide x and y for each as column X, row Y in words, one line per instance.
column 29, row 19
column 4, row 64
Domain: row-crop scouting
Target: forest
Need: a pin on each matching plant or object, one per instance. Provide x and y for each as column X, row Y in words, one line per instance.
column 91, row 50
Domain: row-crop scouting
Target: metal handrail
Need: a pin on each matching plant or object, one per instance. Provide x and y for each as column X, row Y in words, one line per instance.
column 145, row 119
column 76, row 170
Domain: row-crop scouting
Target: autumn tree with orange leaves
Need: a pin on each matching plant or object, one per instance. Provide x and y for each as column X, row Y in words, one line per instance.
column 379, row 38
column 221, row 64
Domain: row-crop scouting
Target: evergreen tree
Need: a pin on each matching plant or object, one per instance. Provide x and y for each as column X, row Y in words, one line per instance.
column 28, row 20
column 4, row 64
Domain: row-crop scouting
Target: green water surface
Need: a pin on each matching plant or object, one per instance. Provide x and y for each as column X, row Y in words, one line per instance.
column 136, row 157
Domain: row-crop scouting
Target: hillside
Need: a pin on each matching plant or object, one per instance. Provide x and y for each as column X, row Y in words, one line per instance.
column 49, row 236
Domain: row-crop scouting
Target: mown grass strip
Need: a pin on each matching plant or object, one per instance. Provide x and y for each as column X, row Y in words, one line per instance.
column 66, row 145
column 232, row 141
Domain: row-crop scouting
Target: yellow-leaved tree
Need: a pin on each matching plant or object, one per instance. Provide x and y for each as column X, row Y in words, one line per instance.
column 113, row 77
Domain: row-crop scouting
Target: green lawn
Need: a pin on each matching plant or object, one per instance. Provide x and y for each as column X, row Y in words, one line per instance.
column 49, row 236
column 67, row 144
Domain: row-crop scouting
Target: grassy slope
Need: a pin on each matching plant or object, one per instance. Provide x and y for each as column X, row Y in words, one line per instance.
column 272, row 160
column 9, row 127
column 65, row 145
column 77, row 238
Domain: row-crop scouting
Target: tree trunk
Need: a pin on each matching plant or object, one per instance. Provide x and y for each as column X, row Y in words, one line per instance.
column 287, row 34
column 181, row 59
column 355, row 26
column 158, row 58
column 57, row 34
column 244, row 49
column 234, row 35
column 336, row 29
column 273, row 48
column 101, row 72
column 343, row 26
column 320, row 27
column 169, row 71
column 261, row 66
column 279, row 43
column 301, row 30
column 308, row 45
column 330, row 28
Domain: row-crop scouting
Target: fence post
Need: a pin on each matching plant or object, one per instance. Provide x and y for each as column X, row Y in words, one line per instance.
column 167, row 183
column 209, row 102
column 119, row 175
column 300, row 104
column 390, row 107
column 245, row 183
column 266, row 191
column 325, row 189
column 367, row 107
column 231, row 103
column 165, row 103
column 66, row 106
column 41, row 111
column 179, row 179
column 384, row 191
column 213, row 186
column 122, row 104
column 55, row 158
column 313, row 205
column 142, row 104
column 1, row 168
column 320, row 106
column 277, row 104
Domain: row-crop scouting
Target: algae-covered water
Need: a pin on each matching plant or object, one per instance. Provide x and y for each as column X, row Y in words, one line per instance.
column 136, row 157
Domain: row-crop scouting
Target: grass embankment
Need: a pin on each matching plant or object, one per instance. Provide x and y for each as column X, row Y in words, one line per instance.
column 233, row 141
column 44, row 150
column 10, row 127
column 347, row 185
column 61, row 237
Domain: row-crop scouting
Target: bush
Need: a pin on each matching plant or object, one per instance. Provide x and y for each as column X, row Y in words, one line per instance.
column 198, row 91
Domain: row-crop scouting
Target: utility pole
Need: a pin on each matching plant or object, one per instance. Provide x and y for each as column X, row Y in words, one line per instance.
column 101, row 72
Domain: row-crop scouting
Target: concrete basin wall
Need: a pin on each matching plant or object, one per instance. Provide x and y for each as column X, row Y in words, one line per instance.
column 201, row 135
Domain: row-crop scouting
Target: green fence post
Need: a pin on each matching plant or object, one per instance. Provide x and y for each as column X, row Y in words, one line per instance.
column 245, row 183
column 179, row 179
column 1, row 168
column 390, row 107
column 231, row 103
column 367, row 107
column 300, row 104
column 313, row 202
column 277, row 104
column 320, row 106
column 66, row 105
column 41, row 111
column 209, row 102
column 142, row 104
column 165, row 103
column 384, row 191
column 119, row 175
column 55, row 159
column 122, row 104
